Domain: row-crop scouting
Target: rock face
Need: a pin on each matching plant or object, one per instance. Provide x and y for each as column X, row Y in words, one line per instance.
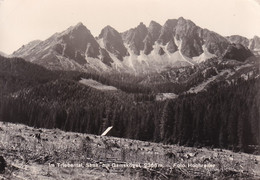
column 113, row 42
column 239, row 40
column 135, row 38
column 179, row 42
column 77, row 43
column 176, row 34
column 28, row 48
column 67, row 50
column 252, row 44
column 186, row 33
column 167, row 32
column 105, row 58
column 152, row 35
column 215, row 43
column 237, row 52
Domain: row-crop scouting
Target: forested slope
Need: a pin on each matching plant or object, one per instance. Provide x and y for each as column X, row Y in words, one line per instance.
column 224, row 116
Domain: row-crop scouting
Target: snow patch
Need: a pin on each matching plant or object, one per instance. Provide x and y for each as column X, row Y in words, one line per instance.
column 101, row 43
column 204, row 56
column 94, row 84
column 153, row 62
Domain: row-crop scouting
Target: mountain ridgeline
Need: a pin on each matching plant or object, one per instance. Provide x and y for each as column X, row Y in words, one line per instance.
column 139, row 50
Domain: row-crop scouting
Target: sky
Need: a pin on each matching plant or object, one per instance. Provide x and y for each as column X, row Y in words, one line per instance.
column 22, row 21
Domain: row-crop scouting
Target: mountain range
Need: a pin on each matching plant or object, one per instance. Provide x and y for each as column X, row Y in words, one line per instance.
column 140, row 50
column 174, row 83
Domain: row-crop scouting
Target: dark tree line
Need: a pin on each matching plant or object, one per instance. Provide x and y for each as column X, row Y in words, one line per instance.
column 71, row 106
column 226, row 117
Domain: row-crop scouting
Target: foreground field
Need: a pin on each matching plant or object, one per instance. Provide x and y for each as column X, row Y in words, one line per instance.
column 53, row 154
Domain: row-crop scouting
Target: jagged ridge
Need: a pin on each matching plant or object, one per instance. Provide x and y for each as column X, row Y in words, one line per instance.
column 179, row 42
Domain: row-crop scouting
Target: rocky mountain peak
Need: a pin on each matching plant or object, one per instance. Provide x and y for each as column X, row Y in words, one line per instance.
column 79, row 24
column 153, row 34
column 77, row 41
column 182, row 20
column 141, row 30
column 154, row 28
column 167, row 31
column 179, row 42
column 185, row 28
column 74, row 30
column 255, row 44
column 141, row 24
column 108, row 31
column 135, row 37
column 239, row 40
column 113, row 42
column 154, row 23
column 237, row 52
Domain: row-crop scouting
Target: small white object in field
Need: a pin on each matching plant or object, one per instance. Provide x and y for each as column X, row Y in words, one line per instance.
column 106, row 131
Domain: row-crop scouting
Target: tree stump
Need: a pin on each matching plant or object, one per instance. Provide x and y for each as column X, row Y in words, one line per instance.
column 2, row 164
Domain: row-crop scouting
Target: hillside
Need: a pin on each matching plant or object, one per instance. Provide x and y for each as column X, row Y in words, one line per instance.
column 32, row 153
column 35, row 96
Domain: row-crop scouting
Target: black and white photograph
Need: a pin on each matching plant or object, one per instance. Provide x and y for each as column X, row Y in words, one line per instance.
column 129, row 89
